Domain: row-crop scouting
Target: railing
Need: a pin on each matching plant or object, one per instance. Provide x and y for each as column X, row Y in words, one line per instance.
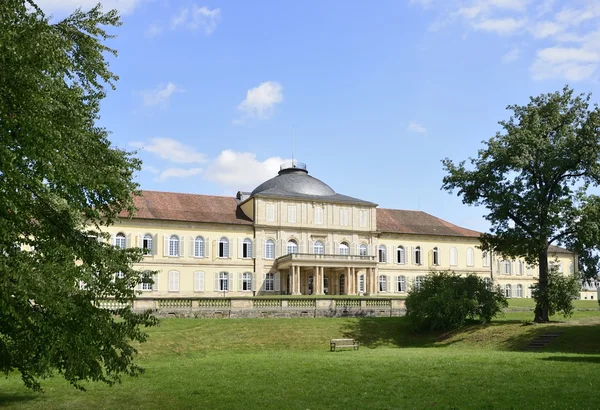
column 266, row 303
column 378, row 303
column 351, row 303
column 292, row 164
column 110, row 304
column 323, row 256
column 175, row 303
column 214, row 303
column 301, row 303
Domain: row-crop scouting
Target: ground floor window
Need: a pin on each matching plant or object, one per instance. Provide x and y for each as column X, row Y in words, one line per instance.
column 223, row 282
column 270, row 282
column 508, row 291
column 326, row 285
column 361, row 283
column 247, row 281
column 342, row 284
column 401, row 284
column 382, row 283
column 419, row 282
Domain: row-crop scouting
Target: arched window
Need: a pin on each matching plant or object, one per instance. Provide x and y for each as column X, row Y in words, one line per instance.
column 419, row 282
column 401, row 284
column 120, row 241
column 470, row 256
column 344, row 249
column 453, row 257
column 223, row 248
column 381, row 251
column 519, row 291
column 508, row 291
column 174, row 245
column 342, row 284
column 362, row 250
column 382, row 283
column 400, row 255
column 488, row 283
column 223, row 282
column 417, row 255
column 147, row 244
column 270, row 249
column 247, row 248
column 199, row 247
column 292, row 246
column 506, row 267
column 436, row 256
column 486, row 259
column 319, row 248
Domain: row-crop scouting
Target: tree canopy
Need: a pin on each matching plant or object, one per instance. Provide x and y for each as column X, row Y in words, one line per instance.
column 534, row 178
column 61, row 183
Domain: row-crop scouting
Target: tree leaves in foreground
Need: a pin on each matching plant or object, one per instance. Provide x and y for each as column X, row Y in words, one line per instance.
column 533, row 178
column 61, row 181
column 446, row 300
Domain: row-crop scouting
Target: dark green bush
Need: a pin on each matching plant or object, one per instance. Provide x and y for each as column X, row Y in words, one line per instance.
column 447, row 301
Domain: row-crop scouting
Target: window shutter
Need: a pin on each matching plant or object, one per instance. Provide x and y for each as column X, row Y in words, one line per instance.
column 388, row 284
column 112, row 239
column 140, row 240
column 393, row 284
column 254, row 282
column 166, row 245
column 240, row 248
column 199, row 281
column 155, row 280
column 370, row 250
column 174, row 281
column 276, row 284
column 155, row 245
column 414, row 255
column 388, row 256
column 216, row 284
column 192, row 251
column 498, row 266
column 395, row 254
column 264, row 282
column 129, row 244
column 216, row 248
column 240, row 281
column 254, row 250
column 231, row 284
column 207, row 246
column 181, row 247
column 231, row 247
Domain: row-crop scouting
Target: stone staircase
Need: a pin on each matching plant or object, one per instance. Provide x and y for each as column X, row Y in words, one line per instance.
column 541, row 341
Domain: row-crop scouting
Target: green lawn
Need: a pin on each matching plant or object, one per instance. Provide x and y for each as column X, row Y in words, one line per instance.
column 286, row 363
column 530, row 303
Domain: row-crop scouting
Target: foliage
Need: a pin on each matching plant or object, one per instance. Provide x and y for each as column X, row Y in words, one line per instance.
column 533, row 178
column 446, row 301
column 560, row 293
column 61, row 182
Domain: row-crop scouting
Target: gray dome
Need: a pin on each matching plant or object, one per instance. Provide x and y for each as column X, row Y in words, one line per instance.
column 293, row 179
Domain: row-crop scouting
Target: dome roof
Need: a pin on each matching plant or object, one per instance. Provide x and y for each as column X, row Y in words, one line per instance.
column 293, row 179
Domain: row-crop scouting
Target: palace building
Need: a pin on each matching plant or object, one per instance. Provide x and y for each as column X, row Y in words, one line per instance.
column 295, row 235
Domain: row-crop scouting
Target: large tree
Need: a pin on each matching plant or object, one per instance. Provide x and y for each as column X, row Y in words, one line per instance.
column 61, row 183
column 534, row 179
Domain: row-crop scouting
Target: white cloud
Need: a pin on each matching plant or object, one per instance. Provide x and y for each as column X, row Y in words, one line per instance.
column 61, row 7
column 151, row 169
column 545, row 29
column 241, row 170
column 152, row 31
column 197, row 18
column 572, row 64
column 160, row 95
column 511, row 55
column 416, row 127
column 171, row 150
column 501, row 26
column 261, row 100
column 178, row 173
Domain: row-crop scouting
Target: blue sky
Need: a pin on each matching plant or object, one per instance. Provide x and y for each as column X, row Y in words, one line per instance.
column 374, row 94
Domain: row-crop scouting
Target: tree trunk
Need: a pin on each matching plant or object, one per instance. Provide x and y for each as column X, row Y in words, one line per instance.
column 542, row 306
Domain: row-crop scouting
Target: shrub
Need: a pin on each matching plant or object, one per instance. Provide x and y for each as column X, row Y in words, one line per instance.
column 447, row 301
column 561, row 291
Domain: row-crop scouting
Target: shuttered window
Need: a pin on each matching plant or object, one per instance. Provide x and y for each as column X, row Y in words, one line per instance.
column 270, row 209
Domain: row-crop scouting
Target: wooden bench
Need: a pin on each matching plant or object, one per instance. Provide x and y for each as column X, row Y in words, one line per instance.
column 335, row 344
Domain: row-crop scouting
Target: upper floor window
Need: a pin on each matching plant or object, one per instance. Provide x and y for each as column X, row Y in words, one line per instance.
column 520, row 267
column 453, row 256
column 417, row 255
column 436, row 256
column 470, row 256
column 120, row 241
column 318, row 215
column 362, row 216
column 318, row 248
column 270, row 212
column 344, row 249
column 344, row 217
column 382, row 283
column 223, row 248
column 199, row 247
column 401, row 284
column 291, row 213
column 506, row 267
column 147, row 244
column 381, row 252
column 247, row 248
column 270, row 249
column 486, row 259
column 362, row 249
column 400, row 255
column 174, row 245
column 292, row 246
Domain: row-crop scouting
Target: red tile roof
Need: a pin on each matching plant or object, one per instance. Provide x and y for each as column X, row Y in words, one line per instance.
column 417, row 222
column 171, row 206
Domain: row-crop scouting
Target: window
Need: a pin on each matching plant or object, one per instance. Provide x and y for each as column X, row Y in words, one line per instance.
column 270, row 249
column 417, row 255
column 270, row 282
column 270, row 212
column 147, row 244
column 508, row 291
column 318, row 248
column 571, row 268
column 147, row 281
column 173, row 281
column 382, row 283
column 470, row 257
column 174, row 245
column 318, row 215
column 292, row 247
column 362, row 216
column 198, row 281
column 344, row 249
column 486, row 259
column 519, row 291
column 247, row 248
column 344, row 217
column 223, row 282
column 362, row 250
column 120, row 241
column 506, row 267
column 520, row 267
column 401, row 284
column 199, row 247
column 436, row 256
column 419, row 282
column 342, row 284
column 246, row 282
column 382, row 254
column 361, row 283
column 400, row 256
column 291, row 213
column 223, row 248
column 488, row 283
column 453, row 257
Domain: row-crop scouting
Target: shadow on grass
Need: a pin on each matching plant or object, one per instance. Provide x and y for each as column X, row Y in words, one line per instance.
column 574, row 359
column 6, row 399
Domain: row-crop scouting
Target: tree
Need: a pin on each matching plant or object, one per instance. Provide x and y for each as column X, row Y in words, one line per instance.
column 560, row 292
column 447, row 301
column 533, row 178
column 61, row 182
